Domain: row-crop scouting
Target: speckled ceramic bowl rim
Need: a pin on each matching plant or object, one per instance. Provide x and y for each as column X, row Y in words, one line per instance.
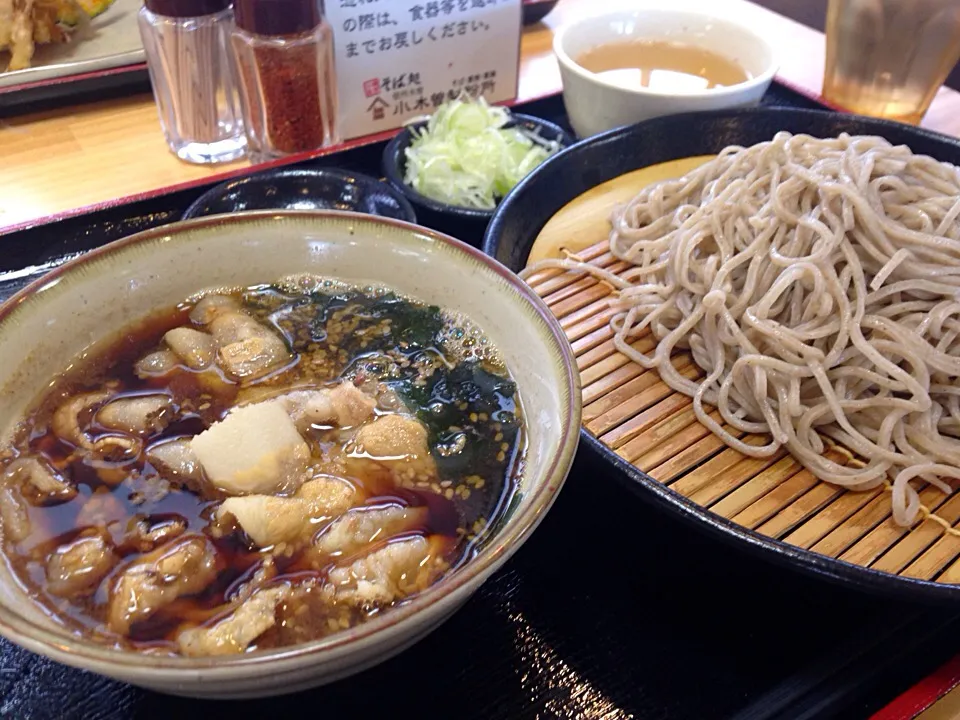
column 392, row 167
column 196, row 207
column 515, row 531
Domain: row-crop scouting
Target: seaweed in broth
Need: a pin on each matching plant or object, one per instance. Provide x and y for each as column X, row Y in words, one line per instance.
column 124, row 531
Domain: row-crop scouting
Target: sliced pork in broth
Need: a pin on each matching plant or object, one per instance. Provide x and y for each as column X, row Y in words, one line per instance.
column 258, row 468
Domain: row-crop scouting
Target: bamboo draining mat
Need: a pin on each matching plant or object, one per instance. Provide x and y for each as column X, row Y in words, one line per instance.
column 632, row 412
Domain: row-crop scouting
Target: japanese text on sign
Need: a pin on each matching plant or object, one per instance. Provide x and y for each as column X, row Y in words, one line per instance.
column 397, row 59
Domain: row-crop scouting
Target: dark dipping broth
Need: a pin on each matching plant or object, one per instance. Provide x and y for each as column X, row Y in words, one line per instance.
column 300, row 458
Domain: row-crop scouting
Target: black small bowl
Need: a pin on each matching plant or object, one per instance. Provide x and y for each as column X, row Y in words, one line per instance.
column 304, row 189
column 536, row 10
column 467, row 224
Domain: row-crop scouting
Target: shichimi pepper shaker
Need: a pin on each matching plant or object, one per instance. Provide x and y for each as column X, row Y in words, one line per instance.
column 284, row 55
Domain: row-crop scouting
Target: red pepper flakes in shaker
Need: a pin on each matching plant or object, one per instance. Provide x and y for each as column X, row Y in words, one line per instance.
column 284, row 54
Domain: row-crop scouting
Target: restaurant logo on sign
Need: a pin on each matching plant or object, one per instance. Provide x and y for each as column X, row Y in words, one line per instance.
column 397, row 60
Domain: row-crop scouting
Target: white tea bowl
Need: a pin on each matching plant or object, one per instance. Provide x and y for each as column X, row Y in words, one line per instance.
column 596, row 104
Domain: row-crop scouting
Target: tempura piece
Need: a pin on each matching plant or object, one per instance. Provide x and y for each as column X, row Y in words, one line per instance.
column 16, row 32
column 27, row 23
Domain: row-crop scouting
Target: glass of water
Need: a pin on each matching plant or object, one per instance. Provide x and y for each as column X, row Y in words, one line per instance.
column 888, row 58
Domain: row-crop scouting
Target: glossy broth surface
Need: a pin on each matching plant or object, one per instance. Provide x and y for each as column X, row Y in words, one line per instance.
column 662, row 66
column 433, row 374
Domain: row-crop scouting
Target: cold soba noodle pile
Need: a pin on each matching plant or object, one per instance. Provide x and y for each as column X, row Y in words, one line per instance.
column 816, row 284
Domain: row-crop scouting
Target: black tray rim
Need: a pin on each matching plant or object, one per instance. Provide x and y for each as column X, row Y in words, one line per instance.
column 642, row 484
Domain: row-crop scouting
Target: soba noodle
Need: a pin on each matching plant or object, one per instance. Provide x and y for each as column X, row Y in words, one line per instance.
column 815, row 282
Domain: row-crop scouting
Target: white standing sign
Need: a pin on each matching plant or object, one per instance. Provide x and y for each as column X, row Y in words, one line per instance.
column 397, row 59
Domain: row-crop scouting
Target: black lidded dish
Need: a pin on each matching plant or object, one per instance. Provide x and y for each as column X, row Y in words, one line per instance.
column 466, row 224
column 304, row 189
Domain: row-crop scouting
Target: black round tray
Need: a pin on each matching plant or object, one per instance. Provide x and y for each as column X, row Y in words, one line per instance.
column 572, row 172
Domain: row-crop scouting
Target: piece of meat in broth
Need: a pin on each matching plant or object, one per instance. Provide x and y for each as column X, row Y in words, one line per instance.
column 210, row 307
column 359, row 527
column 79, row 566
column 255, row 449
column 108, row 454
column 234, row 633
column 390, row 573
column 329, row 496
column 14, row 514
column 137, row 415
column 112, row 457
column 175, row 461
column 399, row 441
column 344, row 405
column 144, row 535
column 393, row 437
column 246, row 349
column 253, row 357
column 40, row 479
column 153, row 581
column 264, row 573
column 269, row 520
column 68, row 422
column 157, row 364
column 196, row 349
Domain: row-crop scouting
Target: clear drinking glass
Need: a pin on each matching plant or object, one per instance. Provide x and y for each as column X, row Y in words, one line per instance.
column 193, row 79
column 888, row 58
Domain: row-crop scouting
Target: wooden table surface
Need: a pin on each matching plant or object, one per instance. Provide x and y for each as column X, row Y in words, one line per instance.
column 66, row 160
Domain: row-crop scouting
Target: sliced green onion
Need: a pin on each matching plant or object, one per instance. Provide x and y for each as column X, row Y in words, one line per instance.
column 465, row 156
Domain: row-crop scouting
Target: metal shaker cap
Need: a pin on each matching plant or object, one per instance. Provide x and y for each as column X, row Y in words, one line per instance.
column 186, row 8
column 277, row 17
